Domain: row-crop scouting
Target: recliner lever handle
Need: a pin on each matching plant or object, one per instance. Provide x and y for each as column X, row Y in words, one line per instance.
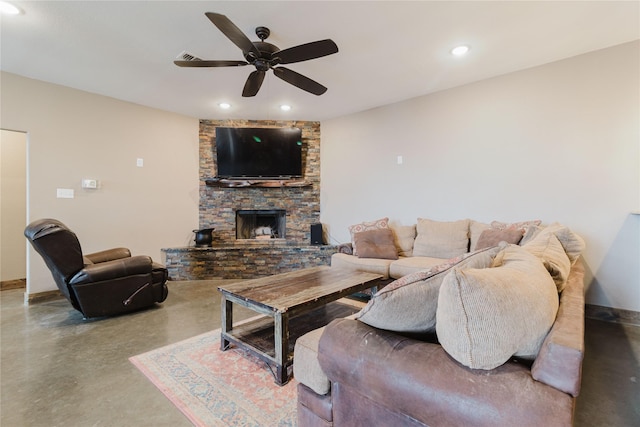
column 133, row 295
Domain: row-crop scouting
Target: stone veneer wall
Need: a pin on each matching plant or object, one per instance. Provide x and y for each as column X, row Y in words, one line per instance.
column 245, row 261
column 218, row 205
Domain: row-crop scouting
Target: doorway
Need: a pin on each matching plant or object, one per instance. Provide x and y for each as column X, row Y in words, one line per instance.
column 13, row 209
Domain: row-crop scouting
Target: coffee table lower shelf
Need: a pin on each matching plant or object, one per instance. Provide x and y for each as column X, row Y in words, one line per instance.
column 258, row 335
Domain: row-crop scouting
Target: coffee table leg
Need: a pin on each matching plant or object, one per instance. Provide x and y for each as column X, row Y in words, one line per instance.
column 226, row 309
column 281, row 338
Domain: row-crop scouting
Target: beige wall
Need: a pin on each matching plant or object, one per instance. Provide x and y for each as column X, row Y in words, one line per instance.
column 13, row 205
column 75, row 135
column 559, row 142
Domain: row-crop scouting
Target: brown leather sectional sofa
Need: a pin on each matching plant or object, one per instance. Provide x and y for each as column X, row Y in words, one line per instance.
column 382, row 378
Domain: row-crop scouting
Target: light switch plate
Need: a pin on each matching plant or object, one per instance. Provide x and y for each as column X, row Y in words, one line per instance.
column 90, row 183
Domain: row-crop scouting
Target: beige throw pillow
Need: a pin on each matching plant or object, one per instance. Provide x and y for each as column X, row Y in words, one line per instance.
column 409, row 303
column 486, row 316
column 549, row 250
column 439, row 239
column 572, row 243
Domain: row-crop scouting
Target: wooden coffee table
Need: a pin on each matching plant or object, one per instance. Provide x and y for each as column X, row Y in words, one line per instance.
column 281, row 298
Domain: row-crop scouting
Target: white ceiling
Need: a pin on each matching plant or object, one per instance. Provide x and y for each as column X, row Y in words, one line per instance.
column 389, row 50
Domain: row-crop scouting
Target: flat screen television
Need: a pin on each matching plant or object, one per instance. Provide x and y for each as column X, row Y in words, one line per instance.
column 259, row 153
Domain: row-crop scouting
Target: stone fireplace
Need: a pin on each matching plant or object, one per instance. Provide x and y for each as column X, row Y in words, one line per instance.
column 261, row 224
column 301, row 204
column 259, row 231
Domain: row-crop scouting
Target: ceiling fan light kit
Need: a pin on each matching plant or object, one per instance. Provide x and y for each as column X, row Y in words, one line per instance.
column 264, row 56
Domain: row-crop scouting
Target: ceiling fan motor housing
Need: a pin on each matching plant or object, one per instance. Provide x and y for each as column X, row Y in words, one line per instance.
column 266, row 54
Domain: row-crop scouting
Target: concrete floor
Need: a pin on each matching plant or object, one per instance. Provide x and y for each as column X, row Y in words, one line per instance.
column 60, row 370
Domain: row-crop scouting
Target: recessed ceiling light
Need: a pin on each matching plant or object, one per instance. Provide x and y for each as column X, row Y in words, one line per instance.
column 224, row 105
column 460, row 50
column 7, row 8
column 285, row 107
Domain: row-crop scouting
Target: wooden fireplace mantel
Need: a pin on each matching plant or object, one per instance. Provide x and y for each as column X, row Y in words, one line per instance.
column 264, row 183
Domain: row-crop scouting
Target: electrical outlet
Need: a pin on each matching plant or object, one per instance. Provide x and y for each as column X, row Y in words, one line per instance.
column 64, row 193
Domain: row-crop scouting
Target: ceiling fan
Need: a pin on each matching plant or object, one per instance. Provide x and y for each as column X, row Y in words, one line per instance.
column 265, row 56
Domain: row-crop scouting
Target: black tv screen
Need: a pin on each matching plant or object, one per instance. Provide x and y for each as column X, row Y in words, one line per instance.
column 259, row 153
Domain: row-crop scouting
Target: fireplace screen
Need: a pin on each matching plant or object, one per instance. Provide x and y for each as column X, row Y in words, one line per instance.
column 260, row 224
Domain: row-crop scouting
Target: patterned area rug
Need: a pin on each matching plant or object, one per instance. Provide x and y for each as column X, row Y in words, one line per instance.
column 216, row 388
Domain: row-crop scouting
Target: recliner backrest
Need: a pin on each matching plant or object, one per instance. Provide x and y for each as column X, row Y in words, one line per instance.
column 60, row 249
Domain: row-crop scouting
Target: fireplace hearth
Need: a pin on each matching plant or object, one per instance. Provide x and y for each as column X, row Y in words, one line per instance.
column 261, row 224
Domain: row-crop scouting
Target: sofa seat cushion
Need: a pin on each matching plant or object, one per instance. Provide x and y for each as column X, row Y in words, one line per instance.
column 439, row 239
column 409, row 265
column 486, row 316
column 409, row 303
column 306, row 369
column 371, row 265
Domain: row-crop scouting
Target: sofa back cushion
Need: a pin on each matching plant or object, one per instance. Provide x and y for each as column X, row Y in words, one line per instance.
column 486, row 316
column 404, row 237
column 440, row 239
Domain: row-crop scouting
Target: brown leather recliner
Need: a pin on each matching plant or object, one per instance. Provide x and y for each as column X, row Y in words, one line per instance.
column 99, row 284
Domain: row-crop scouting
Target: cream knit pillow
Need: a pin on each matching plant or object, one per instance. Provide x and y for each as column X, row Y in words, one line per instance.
column 486, row 316
column 409, row 303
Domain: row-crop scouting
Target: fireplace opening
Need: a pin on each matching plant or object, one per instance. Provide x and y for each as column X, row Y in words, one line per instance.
column 260, row 224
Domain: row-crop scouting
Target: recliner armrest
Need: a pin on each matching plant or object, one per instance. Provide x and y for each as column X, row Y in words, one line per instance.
column 108, row 255
column 140, row 264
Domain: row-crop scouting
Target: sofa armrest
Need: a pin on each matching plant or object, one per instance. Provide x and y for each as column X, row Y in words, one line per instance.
column 108, row 255
column 559, row 362
column 345, row 248
column 108, row 270
column 421, row 380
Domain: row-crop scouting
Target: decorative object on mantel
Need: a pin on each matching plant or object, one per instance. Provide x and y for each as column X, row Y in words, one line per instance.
column 204, row 237
column 241, row 183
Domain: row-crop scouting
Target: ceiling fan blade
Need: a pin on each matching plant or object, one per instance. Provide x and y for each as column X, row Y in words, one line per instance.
column 307, row 51
column 203, row 63
column 232, row 32
column 299, row 81
column 253, row 83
